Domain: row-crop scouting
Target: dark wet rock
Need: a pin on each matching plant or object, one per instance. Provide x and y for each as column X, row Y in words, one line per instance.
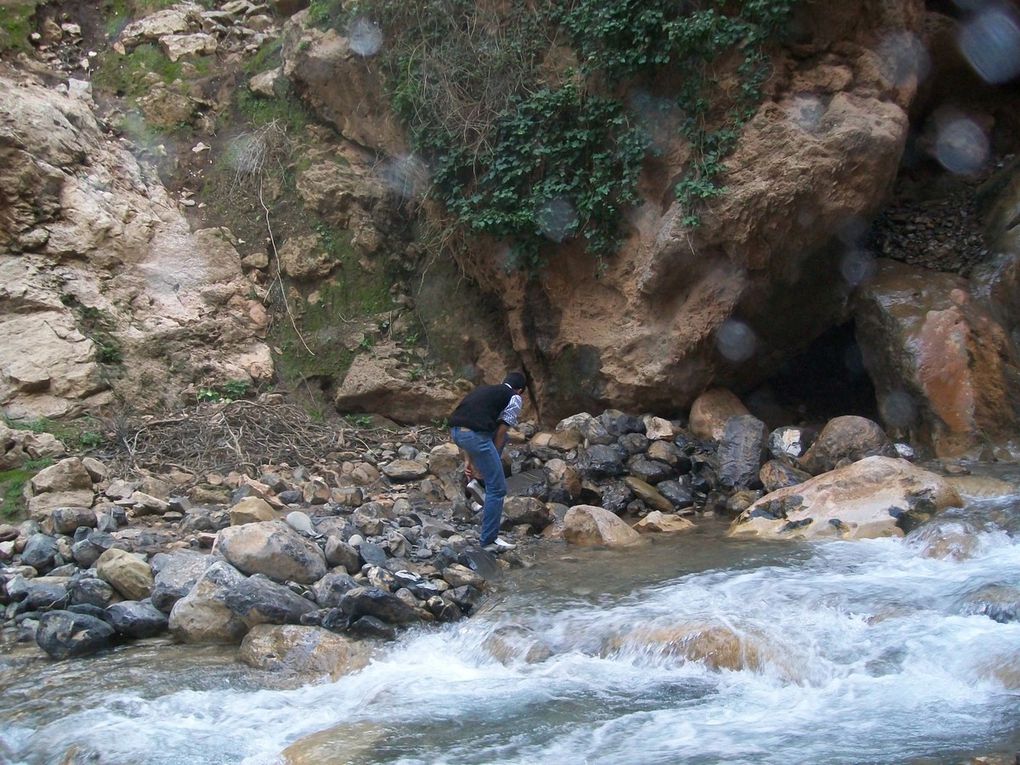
column 259, row 600
column 525, row 511
column 600, row 461
column 740, row 451
column 329, row 590
column 465, row 596
column 291, row 496
column 633, row 443
column 678, row 494
column 40, row 552
column 614, row 496
column 64, row 634
column 65, row 520
column 175, row 574
column 91, row 590
column 88, row 551
column 339, row 553
column 134, row 619
column 618, row 423
column 649, row 471
column 372, row 554
column 371, row 627
column 205, row 519
column 776, row 474
column 373, row 601
column 529, row 483
column 90, row 610
column 44, row 594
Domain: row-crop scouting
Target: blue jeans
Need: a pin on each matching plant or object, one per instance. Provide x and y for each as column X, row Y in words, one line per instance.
column 485, row 457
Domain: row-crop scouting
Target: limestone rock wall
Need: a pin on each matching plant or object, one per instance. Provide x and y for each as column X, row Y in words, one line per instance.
column 104, row 286
column 768, row 270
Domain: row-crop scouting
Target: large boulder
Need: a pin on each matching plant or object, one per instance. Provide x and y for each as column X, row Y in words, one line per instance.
column 678, row 308
column 309, row 652
column 712, row 410
column 946, row 373
column 846, row 439
column 315, row 61
column 587, row 525
column 126, row 572
column 224, row 604
column 175, row 574
column 65, row 634
column 376, row 383
column 868, row 498
column 134, row 619
column 272, row 548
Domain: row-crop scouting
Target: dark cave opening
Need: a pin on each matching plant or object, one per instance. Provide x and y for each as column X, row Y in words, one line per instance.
column 826, row 380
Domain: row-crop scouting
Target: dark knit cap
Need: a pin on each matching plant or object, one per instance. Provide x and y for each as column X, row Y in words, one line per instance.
column 516, row 380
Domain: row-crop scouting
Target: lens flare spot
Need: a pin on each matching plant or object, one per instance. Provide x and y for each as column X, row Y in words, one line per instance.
column 364, row 36
column 857, row 267
column 961, row 146
column 407, row 176
column 556, row 219
column 991, row 43
column 904, row 58
column 735, row 340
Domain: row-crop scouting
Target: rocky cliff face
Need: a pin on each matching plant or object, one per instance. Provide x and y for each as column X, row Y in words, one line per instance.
column 105, row 286
column 775, row 259
column 110, row 289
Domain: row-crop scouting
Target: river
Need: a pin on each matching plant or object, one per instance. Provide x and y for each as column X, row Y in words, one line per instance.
column 696, row 649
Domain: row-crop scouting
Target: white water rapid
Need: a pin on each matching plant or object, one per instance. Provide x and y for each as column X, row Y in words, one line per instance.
column 695, row 650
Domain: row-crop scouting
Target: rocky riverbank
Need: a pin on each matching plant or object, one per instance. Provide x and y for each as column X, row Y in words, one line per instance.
column 305, row 565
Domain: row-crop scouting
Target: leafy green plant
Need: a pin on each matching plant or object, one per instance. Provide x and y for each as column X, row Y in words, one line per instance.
column 359, row 420
column 232, row 390
column 536, row 158
column 98, row 326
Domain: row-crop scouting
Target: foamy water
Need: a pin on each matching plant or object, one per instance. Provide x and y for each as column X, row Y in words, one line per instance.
column 840, row 652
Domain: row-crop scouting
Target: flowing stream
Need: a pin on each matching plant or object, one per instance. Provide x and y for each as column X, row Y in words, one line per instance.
column 696, row 649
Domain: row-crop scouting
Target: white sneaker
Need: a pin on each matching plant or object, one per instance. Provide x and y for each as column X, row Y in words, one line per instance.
column 475, row 507
column 499, row 545
column 475, row 490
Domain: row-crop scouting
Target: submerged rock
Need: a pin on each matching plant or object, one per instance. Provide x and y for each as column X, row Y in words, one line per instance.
column 306, row 651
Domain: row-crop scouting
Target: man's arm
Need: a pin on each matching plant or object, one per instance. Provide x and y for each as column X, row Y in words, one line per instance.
column 499, row 437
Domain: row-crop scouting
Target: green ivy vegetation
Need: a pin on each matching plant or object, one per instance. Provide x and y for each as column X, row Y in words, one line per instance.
column 16, row 25
column 530, row 156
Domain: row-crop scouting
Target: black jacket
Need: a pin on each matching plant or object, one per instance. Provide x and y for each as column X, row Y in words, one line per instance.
column 480, row 409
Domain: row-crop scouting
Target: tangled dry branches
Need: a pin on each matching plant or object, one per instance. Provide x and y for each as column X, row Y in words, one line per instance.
column 247, row 436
